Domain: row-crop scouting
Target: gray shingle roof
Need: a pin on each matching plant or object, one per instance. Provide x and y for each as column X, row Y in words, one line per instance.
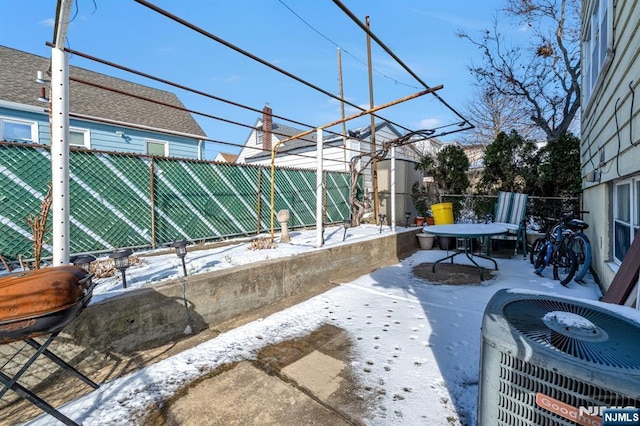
column 17, row 84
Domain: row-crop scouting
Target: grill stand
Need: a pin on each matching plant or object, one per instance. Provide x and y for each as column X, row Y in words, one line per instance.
column 41, row 349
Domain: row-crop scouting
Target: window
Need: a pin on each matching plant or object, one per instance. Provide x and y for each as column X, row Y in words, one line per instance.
column 79, row 137
column 18, row 130
column 597, row 45
column 158, row 148
column 626, row 216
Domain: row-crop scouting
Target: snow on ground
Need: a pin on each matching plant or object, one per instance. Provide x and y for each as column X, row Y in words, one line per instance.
column 163, row 264
column 417, row 341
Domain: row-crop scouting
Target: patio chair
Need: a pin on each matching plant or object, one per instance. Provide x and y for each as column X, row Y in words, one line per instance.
column 510, row 212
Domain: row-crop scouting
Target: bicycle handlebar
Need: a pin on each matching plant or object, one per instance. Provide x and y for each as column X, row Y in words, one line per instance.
column 568, row 214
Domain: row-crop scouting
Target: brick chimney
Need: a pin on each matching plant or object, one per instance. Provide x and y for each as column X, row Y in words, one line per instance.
column 267, row 127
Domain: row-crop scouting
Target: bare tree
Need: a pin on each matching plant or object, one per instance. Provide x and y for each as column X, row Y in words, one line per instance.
column 492, row 112
column 544, row 76
column 357, row 166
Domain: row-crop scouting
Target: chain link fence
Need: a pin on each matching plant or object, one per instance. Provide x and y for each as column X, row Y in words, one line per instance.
column 125, row 200
column 538, row 208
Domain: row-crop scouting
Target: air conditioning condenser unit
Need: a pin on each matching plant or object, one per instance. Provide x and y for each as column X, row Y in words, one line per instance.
column 547, row 360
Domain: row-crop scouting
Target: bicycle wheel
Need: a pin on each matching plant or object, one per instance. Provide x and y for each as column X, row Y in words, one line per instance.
column 537, row 245
column 565, row 265
column 539, row 262
column 581, row 247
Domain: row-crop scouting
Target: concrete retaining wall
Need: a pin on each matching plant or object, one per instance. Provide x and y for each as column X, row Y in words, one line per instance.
column 149, row 317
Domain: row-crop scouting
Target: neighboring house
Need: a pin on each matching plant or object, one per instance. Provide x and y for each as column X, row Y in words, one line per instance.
column 222, row 157
column 610, row 132
column 429, row 146
column 475, row 153
column 99, row 118
column 337, row 153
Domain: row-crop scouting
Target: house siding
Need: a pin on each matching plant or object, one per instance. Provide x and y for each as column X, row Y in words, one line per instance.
column 102, row 112
column 607, row 143
column 251, row 147
column 333, row 159
column 104, row 137
column 42, row 126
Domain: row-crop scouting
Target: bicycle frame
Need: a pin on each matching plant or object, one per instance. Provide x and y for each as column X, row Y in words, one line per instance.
column 551, row 246
column 576, row 228
column 557, row 251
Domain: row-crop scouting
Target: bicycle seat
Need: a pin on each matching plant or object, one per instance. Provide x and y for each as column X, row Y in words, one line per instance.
column 577, row 224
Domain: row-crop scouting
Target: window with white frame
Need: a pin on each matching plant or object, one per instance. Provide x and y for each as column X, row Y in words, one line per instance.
column 626, row 215
column 158, row 148
column 79, row 137
column 596, row 45
column 18, row 130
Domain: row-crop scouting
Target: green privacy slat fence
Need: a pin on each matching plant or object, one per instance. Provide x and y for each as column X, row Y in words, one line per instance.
column 124, row 200
column 296, row 191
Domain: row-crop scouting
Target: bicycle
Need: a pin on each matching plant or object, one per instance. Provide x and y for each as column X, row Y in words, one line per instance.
column 573, row 231
column 581, row 246
column 555, row 249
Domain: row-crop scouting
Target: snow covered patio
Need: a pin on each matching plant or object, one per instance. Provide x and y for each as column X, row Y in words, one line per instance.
column 415, row 345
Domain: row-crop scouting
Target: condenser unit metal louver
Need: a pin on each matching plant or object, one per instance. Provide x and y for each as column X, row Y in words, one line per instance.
column 545, row 360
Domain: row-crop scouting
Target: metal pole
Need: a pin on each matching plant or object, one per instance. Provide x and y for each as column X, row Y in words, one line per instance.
column 124, row 278
column 60, row 141
column 259, row 204
column 273, row 187
column 374, row 164
column 393, row 188
column 344, row 123
column 319, row 221
column 152, row 190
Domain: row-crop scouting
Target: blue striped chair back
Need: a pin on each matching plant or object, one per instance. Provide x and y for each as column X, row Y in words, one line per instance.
column 510, row 211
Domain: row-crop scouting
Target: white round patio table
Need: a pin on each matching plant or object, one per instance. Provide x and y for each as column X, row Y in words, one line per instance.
column 467, row 231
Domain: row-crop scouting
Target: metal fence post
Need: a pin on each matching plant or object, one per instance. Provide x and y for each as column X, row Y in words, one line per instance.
column 152, row 198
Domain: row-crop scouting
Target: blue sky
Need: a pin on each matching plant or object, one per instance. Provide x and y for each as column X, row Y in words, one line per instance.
column 421, row 33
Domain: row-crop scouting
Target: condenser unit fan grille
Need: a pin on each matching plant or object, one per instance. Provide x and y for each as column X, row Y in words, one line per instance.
column 520, row 382
column 583, row 332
